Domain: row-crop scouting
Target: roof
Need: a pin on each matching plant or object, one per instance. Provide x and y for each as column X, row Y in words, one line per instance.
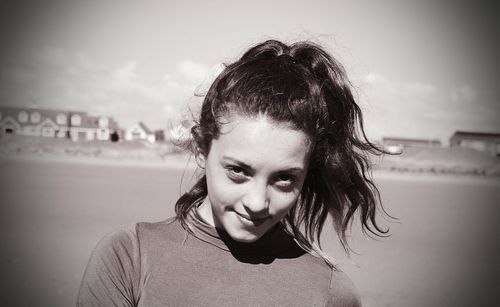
column 407, row 140
column 475, row 135
column 44, row 113
column 87, row 121
column 113, row 124
column 145, row 128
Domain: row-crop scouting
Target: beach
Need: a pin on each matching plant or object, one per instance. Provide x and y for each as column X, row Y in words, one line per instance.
column 442, row 250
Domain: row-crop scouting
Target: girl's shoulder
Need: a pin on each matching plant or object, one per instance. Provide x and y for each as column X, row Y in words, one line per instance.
column 142, row 231
column 134, row 239
column 159, row 235
column 169, row 228
column 342, row 291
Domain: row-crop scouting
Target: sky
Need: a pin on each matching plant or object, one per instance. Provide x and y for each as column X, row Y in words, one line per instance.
column 420, row 69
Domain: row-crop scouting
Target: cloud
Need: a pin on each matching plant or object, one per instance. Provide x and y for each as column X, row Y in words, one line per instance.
column 193, row 72
column 54, row 78
column 196, row 74
column 127, row 73
column 464, row 93
column 421, row 110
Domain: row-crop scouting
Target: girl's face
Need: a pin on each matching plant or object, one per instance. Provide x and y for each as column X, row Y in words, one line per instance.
column 255, row 171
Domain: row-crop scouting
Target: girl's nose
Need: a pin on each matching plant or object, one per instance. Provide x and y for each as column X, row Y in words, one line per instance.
column 256, row 201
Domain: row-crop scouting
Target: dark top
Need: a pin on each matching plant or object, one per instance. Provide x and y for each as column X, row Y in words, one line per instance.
column 162, row 264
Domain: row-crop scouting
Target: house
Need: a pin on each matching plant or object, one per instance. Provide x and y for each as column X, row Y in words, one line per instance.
column 8, row 125
column 33, row 122
column 89, row 128
column 485, row 142
column 405, row 142
column 55, row 124
column 396, row 145
column 140, row 132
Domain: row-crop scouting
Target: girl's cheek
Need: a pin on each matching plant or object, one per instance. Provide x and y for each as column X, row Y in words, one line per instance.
column 227, row 194
column 282, row 202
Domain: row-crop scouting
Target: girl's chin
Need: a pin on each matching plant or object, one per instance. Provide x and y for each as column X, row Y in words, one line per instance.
column 245, row 240
column 244, row 231
column 244, row 235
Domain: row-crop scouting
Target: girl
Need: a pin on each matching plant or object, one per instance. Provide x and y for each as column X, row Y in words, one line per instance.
column 281, row 142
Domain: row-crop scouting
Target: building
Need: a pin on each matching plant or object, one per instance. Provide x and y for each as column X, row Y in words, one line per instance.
column 396, row 145
column 485, row 142
column 89, row 128
column 32, row 122
column 404, row 142
column 56, row 124
column 140, row 132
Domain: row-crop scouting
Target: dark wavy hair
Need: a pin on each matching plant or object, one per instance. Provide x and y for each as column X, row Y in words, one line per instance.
column 306, row 88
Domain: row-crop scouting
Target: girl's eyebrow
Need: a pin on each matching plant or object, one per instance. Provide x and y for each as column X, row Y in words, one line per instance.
column 248, row 167
column 237, row 162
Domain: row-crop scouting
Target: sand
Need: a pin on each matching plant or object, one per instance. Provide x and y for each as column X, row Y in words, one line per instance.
column 442, row 251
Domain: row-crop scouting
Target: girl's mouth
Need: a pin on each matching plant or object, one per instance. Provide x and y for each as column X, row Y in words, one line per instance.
column 252, row 221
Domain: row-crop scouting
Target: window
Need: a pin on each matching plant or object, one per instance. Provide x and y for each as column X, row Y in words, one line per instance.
column 103, row 134
column 76, row 120
column 61, row 119
column 22, row 117
column 103, row 122
column 35, row 117
column 30, row 130
column 475, row 144
column 48, row 132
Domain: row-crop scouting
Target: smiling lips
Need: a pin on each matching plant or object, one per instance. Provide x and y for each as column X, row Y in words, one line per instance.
column 253, row 221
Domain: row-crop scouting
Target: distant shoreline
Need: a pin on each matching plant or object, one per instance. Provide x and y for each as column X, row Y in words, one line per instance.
column 174, row 161
column 414, row 162
column 185, row 162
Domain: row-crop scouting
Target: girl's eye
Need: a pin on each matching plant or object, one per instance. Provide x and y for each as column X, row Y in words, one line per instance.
column 236, row 174
column 285, row 181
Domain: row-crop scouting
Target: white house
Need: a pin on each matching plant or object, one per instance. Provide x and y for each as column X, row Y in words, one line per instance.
column 84, row 127
column 140, row 132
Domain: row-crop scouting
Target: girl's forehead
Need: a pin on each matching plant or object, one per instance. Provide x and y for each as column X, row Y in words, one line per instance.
column 260, row 120
column 260, row 126
column 259, row 140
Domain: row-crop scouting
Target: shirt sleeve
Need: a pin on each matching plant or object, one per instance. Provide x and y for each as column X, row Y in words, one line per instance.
column 342, row 290
column 113, row 272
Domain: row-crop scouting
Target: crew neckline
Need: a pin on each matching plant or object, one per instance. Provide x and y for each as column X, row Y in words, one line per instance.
column 276, row 243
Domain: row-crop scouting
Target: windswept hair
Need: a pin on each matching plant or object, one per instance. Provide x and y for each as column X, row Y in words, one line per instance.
column 304, row 87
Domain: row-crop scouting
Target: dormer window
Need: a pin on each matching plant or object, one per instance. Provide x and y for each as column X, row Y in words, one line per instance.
column 61, row 119
column 76, row 120
column 35, row 117
column 22, row 117
column 103, row 122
